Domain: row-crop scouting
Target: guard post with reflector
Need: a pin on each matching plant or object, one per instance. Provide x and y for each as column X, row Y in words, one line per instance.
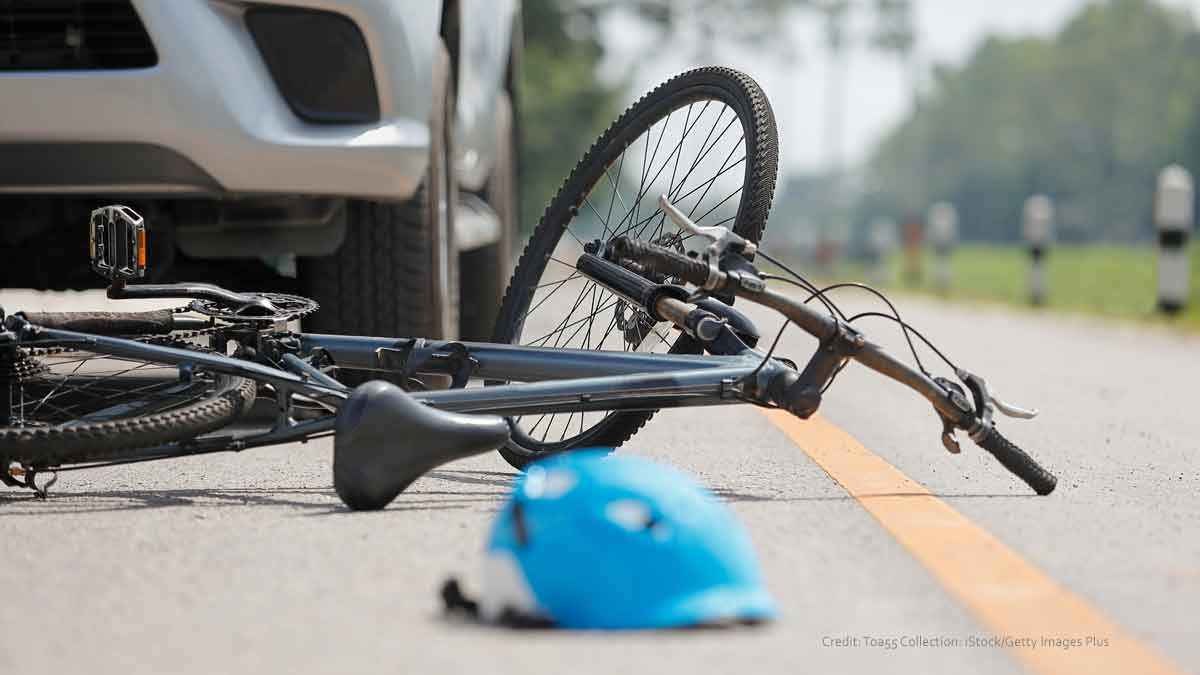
column 1173, row 218
column 881, row 244
column 943, row 233
column 1037, row 228
column 913, row 235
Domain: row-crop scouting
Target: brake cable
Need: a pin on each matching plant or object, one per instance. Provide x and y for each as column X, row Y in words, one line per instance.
column 906, row 328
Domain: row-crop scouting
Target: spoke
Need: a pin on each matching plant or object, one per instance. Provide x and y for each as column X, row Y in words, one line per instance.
column 56, row 388
column 97, row 386
column 103, row 379
column 677, row 200
column 587, row 337
column 718, row 204
column 544, row 299
column 566, row 427
column 679, row 155
column 562, row 328
column 578, row 301
column 708, row 149
column 116, row 400
column 644, row 187
column 608, row 331
column 706, row 184
column 589, row 318
column 720, row 172
column 598, row 217
column 657, row 171
column 616, row 190
column 654, row 156
column 541, row 418
column 637, row 204
column 180, row 398
column 568, row 229
column 661, row 338
column 557, row 283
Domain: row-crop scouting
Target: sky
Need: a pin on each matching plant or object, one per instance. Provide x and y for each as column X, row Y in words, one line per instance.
column 877, row 90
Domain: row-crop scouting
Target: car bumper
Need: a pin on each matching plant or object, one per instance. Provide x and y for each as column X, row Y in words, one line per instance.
column 211, row 113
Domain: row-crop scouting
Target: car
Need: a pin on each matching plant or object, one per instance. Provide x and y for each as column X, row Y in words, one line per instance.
column 367, row 148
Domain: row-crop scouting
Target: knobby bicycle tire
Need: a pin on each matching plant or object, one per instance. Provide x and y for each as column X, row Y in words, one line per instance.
column 83, row 441
column 735, row 90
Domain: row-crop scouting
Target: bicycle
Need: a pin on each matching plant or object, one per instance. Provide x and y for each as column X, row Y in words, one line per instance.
column 225, row 372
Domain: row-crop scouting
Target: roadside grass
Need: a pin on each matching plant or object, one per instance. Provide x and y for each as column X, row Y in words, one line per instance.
column 1101, row 280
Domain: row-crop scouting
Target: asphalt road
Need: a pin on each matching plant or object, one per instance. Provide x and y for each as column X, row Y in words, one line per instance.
column 248, row 563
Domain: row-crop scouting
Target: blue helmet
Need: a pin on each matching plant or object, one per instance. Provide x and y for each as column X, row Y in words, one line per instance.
column 592, row 541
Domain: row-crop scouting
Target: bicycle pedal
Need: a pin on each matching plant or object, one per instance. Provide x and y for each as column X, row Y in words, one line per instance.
column 117, row 243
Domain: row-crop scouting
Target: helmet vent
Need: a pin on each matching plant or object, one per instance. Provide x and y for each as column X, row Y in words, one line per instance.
column 552, row 484
column 630, row 514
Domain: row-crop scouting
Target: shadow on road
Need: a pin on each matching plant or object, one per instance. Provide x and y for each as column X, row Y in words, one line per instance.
column 425, row 496
column 317, row 501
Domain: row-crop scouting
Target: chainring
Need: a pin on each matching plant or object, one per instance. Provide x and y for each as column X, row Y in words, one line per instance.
column 287, row 307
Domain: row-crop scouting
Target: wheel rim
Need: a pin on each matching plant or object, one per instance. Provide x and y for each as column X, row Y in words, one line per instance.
column 696, row 154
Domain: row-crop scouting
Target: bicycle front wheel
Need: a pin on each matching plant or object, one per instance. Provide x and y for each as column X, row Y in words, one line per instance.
column 707, row 140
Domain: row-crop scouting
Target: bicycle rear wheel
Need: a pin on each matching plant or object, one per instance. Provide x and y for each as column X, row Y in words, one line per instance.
column 71, row 406
column 707, row 140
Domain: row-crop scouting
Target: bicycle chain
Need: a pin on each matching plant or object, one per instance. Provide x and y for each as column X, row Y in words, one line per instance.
column 175, row 338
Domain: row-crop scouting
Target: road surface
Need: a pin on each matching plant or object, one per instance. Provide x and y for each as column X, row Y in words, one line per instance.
column 248, row 563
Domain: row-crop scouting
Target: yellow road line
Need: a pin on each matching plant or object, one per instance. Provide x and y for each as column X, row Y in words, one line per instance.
column 1006, row 594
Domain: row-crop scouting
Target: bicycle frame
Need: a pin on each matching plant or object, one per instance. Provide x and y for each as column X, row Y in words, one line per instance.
column 551, row 380
column 558, row 380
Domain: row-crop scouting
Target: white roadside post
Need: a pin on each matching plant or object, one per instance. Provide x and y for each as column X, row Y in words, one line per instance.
column 943, row 233
column 882, row 241
column 1037, row 227
column 1174, row 220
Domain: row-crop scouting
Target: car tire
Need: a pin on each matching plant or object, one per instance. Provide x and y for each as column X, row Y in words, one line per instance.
column 396, row 273
column 490, row 266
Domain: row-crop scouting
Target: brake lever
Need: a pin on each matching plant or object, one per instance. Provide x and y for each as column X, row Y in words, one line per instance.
column 987, row 401
column 721, row 237
column 1011, row 410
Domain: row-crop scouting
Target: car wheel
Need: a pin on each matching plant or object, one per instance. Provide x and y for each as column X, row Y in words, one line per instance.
column 491, row 265
column 396, row 272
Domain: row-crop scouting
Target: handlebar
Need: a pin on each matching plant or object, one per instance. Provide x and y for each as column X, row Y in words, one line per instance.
column 1017, row 461
column 951, row 406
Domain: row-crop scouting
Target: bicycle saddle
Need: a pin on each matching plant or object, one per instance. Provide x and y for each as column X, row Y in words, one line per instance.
column 386, row 439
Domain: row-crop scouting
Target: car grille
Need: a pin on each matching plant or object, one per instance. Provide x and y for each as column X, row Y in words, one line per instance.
column 72, row 35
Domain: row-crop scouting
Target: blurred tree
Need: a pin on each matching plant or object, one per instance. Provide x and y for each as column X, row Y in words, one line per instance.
column 701, row 25
column 1088, row 117
column 564, row 105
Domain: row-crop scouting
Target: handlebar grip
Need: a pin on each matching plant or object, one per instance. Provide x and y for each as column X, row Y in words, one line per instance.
column 662, row 260
column 1015, row 460
column 629, row 284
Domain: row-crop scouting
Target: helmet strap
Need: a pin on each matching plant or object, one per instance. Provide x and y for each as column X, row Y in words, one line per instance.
column 457, row 602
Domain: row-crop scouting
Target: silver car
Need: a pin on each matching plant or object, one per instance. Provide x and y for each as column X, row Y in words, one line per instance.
column 366, row 147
